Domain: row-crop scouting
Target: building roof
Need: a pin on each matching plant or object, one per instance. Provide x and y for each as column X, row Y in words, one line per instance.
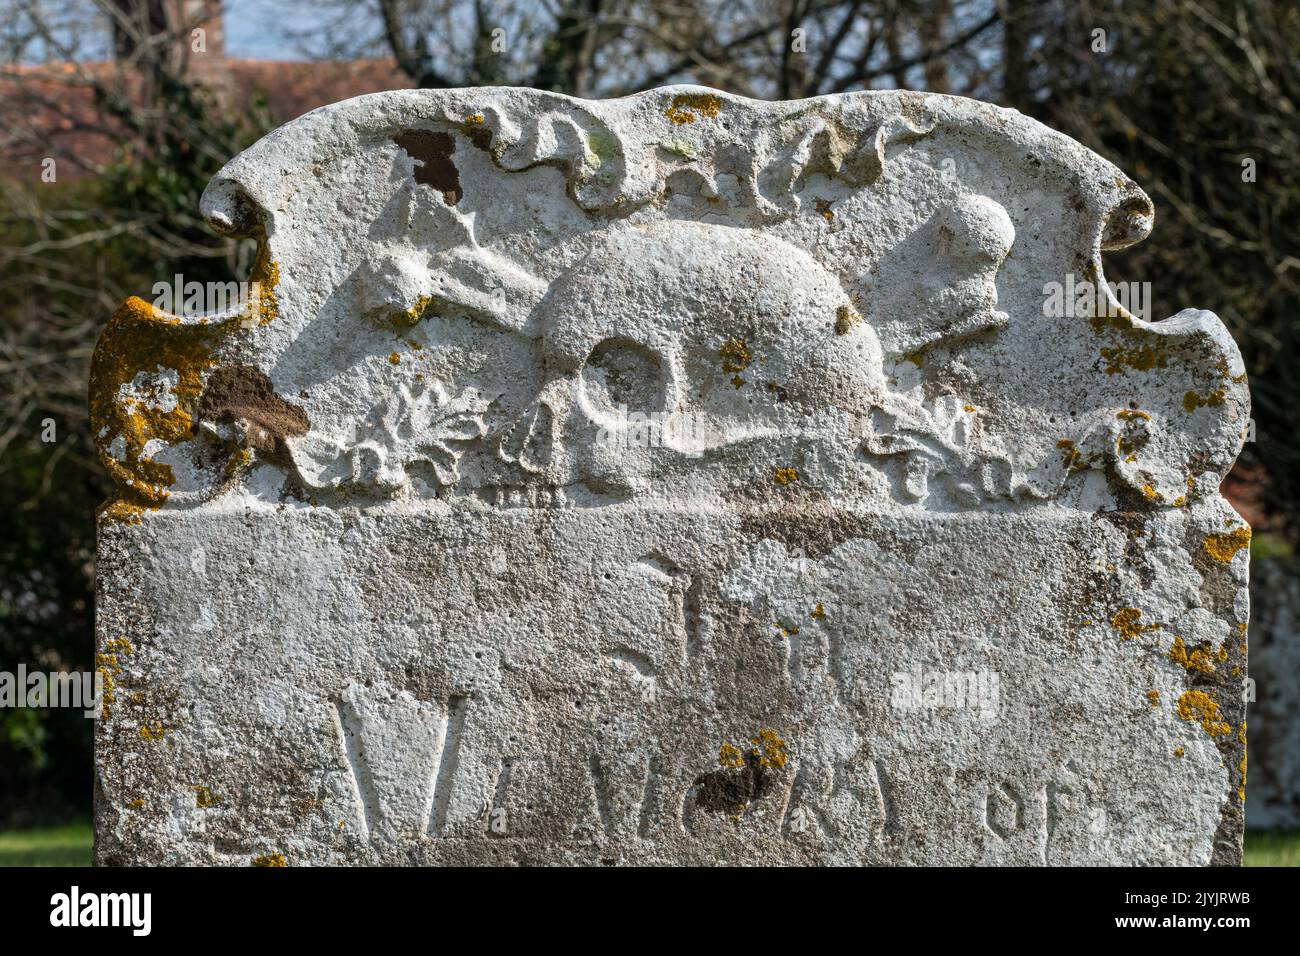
column 54, row 110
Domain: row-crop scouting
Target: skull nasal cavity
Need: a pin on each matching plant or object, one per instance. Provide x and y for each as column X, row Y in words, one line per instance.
column 620, row 372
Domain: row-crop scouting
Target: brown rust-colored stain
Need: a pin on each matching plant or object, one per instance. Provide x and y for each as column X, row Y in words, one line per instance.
column 243, row 393
column 432, row 153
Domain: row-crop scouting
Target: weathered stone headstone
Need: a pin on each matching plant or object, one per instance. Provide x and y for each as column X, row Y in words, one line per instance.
column 1274, row 699
column 680, row 478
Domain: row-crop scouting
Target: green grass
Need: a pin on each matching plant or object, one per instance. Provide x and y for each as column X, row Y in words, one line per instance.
column 1272, row 848
column 70, row 846
column 49, row 846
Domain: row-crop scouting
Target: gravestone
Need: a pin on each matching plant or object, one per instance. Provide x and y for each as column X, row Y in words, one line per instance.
column 674, row 479
column 1275, row 701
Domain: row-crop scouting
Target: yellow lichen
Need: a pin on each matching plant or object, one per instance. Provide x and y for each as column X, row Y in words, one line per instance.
column 152, row 730
column 819, row 611
column 1153, row 697
column 395, row 359
column 769, row 749
column 1224, row 547
column 785, row 476
column 1178, row 752
column 735, row 355
column 415, row 313
column 1071, row 458
column 1192, row 400
column 1126, row 622
column 204, row 798
column 731, row 756
column 475, row 120
column 265, row 306
column 241, row 459
column 1149, row 492
column 1197, row 660
column 1141, row 359
column 688, row 107
column 1198, row 707
column 269, row 859
column 126, row 416
column 109, row 668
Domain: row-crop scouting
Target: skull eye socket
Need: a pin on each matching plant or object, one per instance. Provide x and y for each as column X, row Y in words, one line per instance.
column 620, row 373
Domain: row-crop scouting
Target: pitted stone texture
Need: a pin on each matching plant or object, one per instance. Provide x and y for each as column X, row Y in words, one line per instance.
column 672, row 479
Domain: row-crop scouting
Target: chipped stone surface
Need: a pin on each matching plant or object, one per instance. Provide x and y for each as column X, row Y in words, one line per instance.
column 680, row 478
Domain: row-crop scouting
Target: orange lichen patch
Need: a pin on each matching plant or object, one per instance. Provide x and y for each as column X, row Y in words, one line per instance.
column 1126, row 622
column 137, row 803
column 205, row 798
column 1153, row 697
column 824, row 209
column 1149, row 492
column 845, row 319
column 1226, row 372
column 1198, row 707
column 1224, row 547
column 731, row 756
column 735, row 355
column 109, row 667
column 121, row 511
column 787, row 629
column 265, row 306
column 152, row 730
column 1241, row 790
column 1133, row 414
column 269, row 859
column 1071, row 457
column 1178, row 752
column 688, row 107
column 1142, row 358
column 818, row 612
column 395, row 359
column 475, row 120
column 119, row 644
column 126, row 415
column 1118, row 321
column 1196, row 660
column 1192, row 400
column 415, row 313
column 785, row 476
column 769, row 749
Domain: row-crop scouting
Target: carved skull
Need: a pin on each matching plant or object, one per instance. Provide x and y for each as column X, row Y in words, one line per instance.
column 678, row 340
